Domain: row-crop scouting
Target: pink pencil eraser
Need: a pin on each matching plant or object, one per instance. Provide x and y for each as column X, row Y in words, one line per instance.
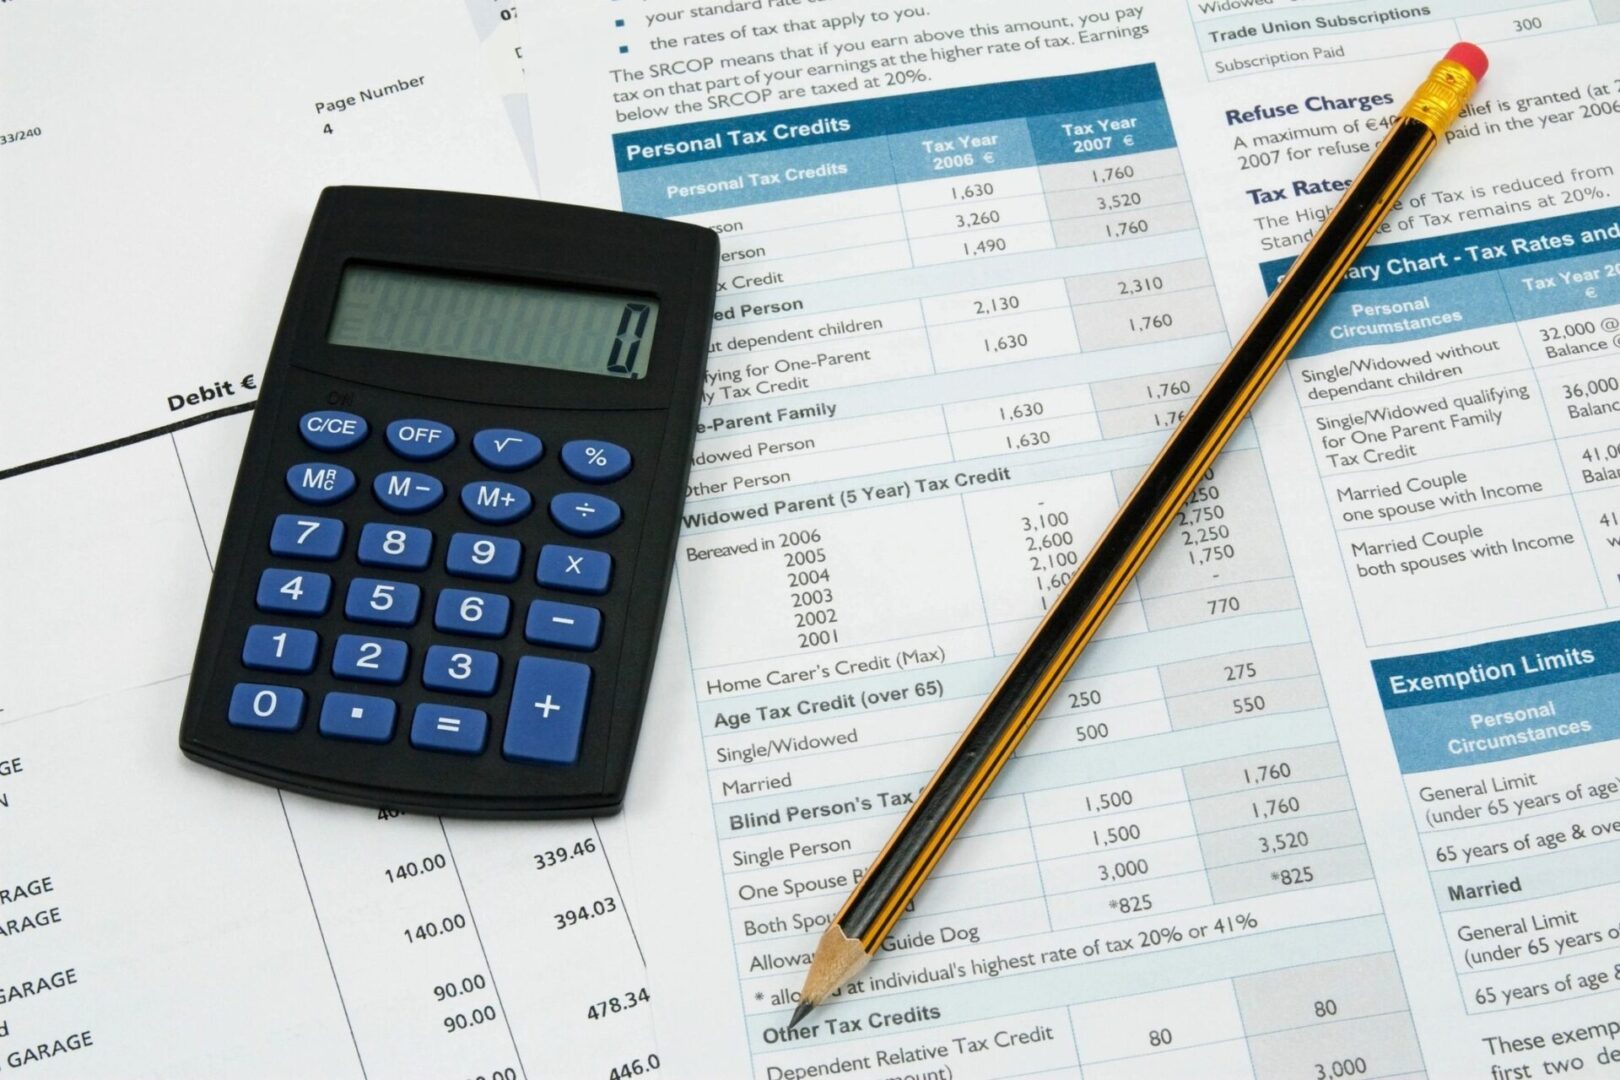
column 1471, row 57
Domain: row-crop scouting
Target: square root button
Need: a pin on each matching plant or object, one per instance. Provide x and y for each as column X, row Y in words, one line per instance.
column 548, row 711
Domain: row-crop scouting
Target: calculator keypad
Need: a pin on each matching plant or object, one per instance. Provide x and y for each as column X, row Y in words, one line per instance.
column 546, row 712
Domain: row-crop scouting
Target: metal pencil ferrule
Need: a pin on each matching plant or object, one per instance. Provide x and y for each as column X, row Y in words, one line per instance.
column 1440, row 100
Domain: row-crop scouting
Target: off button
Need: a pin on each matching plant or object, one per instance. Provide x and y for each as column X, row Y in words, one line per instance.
column 420, row 440
column 332, row 430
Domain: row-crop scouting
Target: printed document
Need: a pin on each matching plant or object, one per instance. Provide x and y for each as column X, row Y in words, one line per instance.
column 158, row 166
column 1334, row 793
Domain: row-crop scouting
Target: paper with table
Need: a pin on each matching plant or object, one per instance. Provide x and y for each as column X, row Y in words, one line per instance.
column 159, row 167
column 1334, row 794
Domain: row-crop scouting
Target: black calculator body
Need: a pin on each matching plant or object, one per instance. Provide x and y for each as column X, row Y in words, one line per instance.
column 449, row 546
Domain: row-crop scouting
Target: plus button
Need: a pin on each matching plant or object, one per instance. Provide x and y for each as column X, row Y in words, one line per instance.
column 547, row 707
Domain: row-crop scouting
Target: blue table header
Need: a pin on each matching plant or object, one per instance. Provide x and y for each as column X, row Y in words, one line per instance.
column 819, row 124
column 1498, row 666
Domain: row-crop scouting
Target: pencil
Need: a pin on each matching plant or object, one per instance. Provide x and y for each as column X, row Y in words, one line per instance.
column 892, row 881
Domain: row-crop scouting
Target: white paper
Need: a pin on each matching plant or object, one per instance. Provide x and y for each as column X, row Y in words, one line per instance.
column 945, row 346
column 159, row 918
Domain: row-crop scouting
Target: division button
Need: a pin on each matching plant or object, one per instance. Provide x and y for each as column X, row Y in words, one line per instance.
column 357, row 716
column 407, row 492
column 584, row 514
column 595, row 461
column 449, row 729
column 563, row 626
column 331, row 430
column 306, row 537
column 320, row 484
column 496, row 502
column 280, row 648
column 507, row 449
column 420, row 440
column 548, row 711
column 272, row 708
column 574, row 569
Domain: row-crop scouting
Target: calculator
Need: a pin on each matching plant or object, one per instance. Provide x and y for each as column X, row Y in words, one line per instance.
column 449, row 547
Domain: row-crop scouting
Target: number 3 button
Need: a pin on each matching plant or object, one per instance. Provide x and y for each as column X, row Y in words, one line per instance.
column 463, row 671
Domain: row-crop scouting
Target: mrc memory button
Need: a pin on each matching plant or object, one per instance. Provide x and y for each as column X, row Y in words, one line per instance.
column 320, row 484
column 332, row 430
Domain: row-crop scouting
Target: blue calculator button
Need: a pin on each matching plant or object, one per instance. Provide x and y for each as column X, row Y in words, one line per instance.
column 357, row 716
column 280, row 648
column 548, row 711
column 296, row 592
column 390, row 603
column 449, row 729
column 369, row 659
column 273, row 708
column 495, row 502
column 564, row 626
column 408, row 492
column 320, row 484
column 474, row 613
column 420, row 440
column 584, row 514
column 493, row 558
column 306, row 537
column 595, row 461
column 507, row 449
column 408, row 547
column 465, row 671
column 574, row 569
column 329, row 429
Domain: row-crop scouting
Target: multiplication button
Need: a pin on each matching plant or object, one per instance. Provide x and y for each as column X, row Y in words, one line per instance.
column 574, row 569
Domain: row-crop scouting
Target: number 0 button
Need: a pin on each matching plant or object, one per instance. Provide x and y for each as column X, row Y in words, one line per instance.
column 473, row 613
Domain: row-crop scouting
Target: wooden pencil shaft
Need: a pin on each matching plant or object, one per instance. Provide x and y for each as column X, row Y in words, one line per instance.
column 985, row 746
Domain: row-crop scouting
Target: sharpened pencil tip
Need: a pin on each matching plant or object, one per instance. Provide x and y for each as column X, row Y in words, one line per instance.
column 799, row 1014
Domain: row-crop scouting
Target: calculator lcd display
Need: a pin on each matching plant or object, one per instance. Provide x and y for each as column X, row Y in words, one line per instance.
column 507, row 322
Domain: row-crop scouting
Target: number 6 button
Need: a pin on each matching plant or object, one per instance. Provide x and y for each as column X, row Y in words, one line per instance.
column 474, row 613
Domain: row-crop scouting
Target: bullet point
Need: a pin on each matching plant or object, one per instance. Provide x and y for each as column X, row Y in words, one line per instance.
column 618, row 22
column 624, row 48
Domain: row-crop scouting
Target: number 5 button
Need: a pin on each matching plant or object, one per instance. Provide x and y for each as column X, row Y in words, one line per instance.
column 473, row 613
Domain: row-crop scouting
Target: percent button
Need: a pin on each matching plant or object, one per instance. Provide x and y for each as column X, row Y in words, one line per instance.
column 595, row 461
